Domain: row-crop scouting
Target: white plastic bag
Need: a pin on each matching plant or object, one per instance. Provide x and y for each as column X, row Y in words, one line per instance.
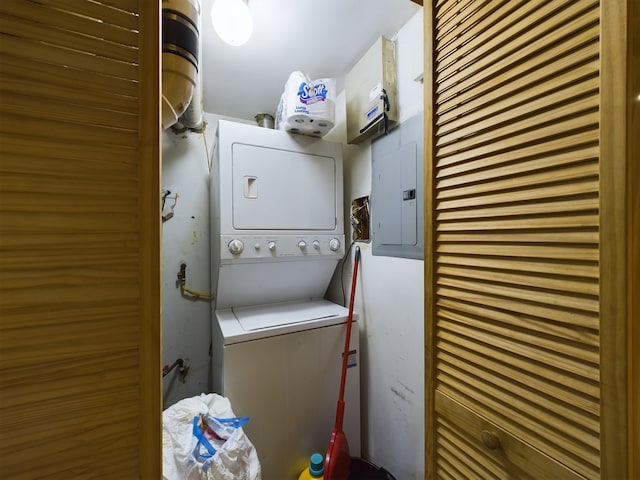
column 222, row 452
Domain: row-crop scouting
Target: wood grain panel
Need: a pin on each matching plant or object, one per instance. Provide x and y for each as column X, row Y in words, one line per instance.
column 511, row 459
column 63, row 19
column 470, row 19
column 64, row 38
column 55, row 109
column 516, row 213
column 509, row 176
column 150, row 324
column 65, row 95
column 59, row 130
column 445, row 11
column 527, row 26
column 121, row 13
column 521, row 41
column 523, row 130
column 633, row 241
column 525, row 154
column 79, row 243
column 74, row 59
column 521, row 106
column 82, row 81
column 619, row 142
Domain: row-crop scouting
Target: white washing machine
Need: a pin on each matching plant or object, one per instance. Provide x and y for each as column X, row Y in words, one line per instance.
column 277, row 236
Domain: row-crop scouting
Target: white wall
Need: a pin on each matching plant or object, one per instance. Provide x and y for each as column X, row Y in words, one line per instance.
column 186, row 324
column 185, row 238
column 389, row 301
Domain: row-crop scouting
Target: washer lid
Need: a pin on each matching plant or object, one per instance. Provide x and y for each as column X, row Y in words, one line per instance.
column 273, row 315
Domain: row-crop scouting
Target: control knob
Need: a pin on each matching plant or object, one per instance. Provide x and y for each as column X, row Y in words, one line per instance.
column 302, row 244
column 334, row 244
column 236, row 247
column 271, row 245
column 316, row 244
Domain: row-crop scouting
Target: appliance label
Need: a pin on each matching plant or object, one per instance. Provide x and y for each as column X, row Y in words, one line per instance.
column 375, row 92
column 352, row 359
column 373, row 112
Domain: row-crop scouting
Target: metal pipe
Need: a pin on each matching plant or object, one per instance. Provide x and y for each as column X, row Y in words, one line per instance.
column 167, row 368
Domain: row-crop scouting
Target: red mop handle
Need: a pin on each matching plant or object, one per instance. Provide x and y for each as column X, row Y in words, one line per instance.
column 345, row 355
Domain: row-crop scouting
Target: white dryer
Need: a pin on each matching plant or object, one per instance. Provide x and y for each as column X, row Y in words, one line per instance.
column 277, row 236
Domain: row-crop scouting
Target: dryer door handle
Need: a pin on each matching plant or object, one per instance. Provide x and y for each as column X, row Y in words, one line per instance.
column 250, row 187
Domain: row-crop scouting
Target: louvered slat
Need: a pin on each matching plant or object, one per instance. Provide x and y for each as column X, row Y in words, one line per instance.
column 71, row 132
column 34, row 30
column 124, row 15
column 557, row 444
column 511, row 460
column 78, row 80
column 66, row 95
column 532, row 153
column 464, row 357
column 531, row 128
column 74, row 59
column 525, row 40
column 507, row 173
column 527, row 26
column 497, row 104
column 64, row 19
column 524, row 412
column 460, row 450
column 540, row 266
column 447, row 13
column 481, row 17
column 582, row 319
column 517, row 217
column 554, row 58
column 59, row 110
column 544, row 282
column 519, row 106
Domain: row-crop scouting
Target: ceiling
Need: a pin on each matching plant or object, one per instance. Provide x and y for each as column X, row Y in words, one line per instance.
column 322, row 38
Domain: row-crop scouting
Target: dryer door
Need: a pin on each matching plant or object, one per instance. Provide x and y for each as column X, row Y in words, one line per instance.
column 276, row 189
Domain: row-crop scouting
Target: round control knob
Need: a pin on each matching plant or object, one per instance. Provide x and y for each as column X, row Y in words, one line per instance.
column 302, row 244
column 334, row 244
column 271, row 246
column 236, row 247
column 316, row 244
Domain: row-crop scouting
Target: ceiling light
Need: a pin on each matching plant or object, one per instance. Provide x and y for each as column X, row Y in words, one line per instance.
column 232, row 21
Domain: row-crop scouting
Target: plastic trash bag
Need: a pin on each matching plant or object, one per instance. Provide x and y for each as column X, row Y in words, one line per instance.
column 204, row 440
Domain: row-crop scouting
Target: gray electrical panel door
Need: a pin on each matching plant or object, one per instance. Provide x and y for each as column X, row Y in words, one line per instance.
column 397, row 191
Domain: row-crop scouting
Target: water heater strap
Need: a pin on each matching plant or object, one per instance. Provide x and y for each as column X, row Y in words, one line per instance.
column 179, row 35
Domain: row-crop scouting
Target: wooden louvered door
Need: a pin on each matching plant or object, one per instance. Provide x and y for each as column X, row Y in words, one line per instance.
column 515, row 356
column 80, row 383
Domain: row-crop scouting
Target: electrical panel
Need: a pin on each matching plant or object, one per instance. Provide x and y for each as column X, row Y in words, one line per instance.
column 370, row 89
column 397, row 191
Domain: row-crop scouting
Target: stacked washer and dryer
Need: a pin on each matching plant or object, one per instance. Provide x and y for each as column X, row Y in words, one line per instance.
column 277, row 237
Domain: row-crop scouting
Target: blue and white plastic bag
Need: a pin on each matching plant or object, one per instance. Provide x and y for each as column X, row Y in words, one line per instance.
column 204, row 440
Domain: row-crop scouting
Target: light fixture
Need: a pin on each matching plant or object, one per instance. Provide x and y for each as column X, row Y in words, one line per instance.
column 232, row 21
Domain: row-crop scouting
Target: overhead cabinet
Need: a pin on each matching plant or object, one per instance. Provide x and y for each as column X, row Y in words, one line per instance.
column 370, row 88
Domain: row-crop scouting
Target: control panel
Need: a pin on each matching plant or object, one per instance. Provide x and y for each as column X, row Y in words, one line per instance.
column 252, row 247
